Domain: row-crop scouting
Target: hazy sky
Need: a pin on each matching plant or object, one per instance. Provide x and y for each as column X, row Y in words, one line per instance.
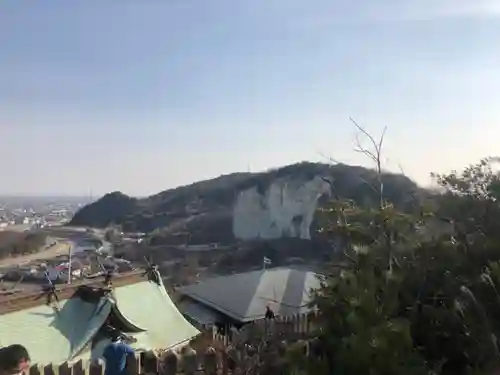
column 143, row 95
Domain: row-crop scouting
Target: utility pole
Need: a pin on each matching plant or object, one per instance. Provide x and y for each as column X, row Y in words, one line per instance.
column 69, row 262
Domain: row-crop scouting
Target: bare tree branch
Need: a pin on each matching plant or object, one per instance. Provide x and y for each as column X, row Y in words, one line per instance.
column 375, row 154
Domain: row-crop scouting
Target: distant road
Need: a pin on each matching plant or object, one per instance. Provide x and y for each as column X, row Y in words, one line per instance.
column 68, row 239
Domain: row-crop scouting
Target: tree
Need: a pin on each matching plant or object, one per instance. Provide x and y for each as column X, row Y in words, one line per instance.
column 406, row 302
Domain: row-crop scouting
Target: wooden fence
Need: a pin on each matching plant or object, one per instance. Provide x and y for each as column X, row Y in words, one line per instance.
column 295, row 326
column 211, row 353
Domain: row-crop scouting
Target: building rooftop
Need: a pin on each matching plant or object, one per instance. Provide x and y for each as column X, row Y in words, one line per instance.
column 71, row 329
column 244, row 297
column 33, row 295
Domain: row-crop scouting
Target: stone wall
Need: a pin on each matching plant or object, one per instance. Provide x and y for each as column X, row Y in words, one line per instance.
column 285, row 208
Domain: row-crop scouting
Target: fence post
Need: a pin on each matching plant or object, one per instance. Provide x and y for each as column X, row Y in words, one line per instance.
column 170, row 363
column 225, row 361
column 148, row 363
column 78, row 368
column 189, row 360
column 35, row 370
column 94, row 369
column 64, row 369
column 210, row 361
column 48, row 370
column 310, row 321
column 300, row 324
column 132, row 367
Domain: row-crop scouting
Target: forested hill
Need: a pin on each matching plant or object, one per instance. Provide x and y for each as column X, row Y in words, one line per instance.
column 214, row 199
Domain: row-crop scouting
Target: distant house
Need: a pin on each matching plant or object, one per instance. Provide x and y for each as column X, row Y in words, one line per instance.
column 60, row 271
column 137, row 306
column 242, row 298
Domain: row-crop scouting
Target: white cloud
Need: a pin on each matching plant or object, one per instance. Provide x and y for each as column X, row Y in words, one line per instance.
column 424, row 10
column 324, row 13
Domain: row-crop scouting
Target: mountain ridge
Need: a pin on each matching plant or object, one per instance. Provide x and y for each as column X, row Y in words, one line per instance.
column 215, row 198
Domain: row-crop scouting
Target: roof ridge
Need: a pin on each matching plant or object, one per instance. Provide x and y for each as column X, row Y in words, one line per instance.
column 21, row 301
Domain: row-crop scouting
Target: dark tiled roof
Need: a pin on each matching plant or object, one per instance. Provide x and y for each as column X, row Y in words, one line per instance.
column 244, row 296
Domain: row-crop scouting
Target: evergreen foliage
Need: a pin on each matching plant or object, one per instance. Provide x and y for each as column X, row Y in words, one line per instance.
column 418, row 293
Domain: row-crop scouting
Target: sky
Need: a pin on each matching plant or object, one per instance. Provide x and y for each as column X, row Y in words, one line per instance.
column 141, row 96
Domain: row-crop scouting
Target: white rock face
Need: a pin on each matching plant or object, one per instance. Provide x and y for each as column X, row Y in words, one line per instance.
column 286, row 209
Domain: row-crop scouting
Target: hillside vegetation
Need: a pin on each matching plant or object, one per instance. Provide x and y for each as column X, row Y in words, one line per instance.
column 409, row 299
column 205, row 207
column 14, row 244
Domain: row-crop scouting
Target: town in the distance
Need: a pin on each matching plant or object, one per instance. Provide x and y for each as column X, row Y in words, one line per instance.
column 35, row 248
column 20, row 213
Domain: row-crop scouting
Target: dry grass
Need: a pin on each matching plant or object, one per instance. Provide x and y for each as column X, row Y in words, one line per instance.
column 61, row 247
